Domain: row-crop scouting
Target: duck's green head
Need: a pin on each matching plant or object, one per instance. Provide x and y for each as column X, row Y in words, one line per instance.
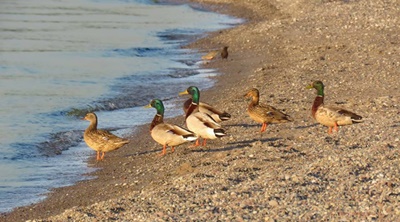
column 158, row 105
column 319, row 86
column 194, row 92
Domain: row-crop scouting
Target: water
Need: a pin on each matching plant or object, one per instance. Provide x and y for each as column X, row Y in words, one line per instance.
column 62, row 58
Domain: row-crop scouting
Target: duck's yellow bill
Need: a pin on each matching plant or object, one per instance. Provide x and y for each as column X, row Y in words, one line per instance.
column 183, row 93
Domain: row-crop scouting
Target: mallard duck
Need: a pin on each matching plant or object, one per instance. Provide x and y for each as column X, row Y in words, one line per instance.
column 101, row 140
column 331, row 117
column 209, row 56
column 167, row 134
column 264, row 114
column 224, row 52
column 217, row 115
column 201, row 124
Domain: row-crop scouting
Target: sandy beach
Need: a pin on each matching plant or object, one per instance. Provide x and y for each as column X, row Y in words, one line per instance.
column 293, row 171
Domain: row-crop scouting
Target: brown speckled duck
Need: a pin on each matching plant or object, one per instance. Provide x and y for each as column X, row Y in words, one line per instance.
column 167, row 134
column 101, row 140
column 329, row 116
column 210, row 56
column 264, row 114
column 224, row 52
column 200, row 123
column 217, row 115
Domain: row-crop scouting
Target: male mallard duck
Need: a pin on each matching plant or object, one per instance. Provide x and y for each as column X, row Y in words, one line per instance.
column 101, row 140
column 217, row 115
column 327, row 115
column 201, row 124
column 167, row 134
column 264, row 114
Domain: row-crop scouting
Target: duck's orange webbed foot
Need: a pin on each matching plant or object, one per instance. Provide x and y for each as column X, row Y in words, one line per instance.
column 164, row 151
column 336, row 128
column 204, row 142
column 263, row 127
column 196, row 144
column 98, row 155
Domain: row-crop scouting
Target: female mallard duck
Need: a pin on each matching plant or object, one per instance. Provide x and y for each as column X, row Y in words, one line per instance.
column 167, row 134
column 263, row 113
column 201, row 124
column 224, row 52
column 327, row 115
column 217, row 115
column 209, row 56
column 101, row 140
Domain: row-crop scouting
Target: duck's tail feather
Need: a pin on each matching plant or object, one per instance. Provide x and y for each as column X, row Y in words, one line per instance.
column 225, row 116
column 219, row 132
column 190, row 137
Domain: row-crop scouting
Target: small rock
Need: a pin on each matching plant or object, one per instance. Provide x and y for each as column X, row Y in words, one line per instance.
column 295, row 179
column 273, row 203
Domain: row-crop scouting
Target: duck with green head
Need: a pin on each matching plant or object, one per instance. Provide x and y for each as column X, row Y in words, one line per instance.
column 217, row 115
column 167, row 134
column 329, row 116
column 202, row 124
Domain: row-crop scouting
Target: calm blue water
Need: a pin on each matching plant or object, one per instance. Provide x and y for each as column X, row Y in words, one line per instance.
column 62, row 58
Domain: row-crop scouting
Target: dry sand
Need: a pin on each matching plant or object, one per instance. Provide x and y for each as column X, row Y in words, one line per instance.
column 293, row 171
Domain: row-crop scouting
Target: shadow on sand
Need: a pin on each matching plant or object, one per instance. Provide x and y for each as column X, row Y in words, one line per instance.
column 237, row 145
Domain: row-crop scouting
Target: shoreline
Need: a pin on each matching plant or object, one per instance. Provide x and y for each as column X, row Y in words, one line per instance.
column 294, row 170
column 62, row 198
